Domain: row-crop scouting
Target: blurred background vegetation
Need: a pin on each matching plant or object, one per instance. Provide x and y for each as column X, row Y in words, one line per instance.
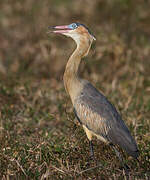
column 38, row 138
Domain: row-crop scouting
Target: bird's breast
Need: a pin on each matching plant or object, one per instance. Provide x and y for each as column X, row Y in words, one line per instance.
column 73, row 86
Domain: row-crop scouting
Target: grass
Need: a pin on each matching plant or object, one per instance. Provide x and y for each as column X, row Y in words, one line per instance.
column 39, row 136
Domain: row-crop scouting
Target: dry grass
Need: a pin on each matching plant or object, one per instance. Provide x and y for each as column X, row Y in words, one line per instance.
column 38, row 136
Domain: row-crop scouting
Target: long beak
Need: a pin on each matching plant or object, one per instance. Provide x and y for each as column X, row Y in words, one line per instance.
column 59, row 29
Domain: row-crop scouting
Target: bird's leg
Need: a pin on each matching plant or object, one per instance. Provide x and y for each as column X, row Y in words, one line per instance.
column 89, row 135
column 125, row 166
column 91, row 150
column 92, row 156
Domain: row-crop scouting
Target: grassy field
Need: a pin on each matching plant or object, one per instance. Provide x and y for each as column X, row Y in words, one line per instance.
column 39, row 136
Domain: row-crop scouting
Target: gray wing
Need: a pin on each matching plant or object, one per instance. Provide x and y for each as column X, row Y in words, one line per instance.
column 100, row 116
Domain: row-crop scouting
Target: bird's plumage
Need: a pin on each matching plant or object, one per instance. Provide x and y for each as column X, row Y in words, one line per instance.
column 96, row 114
column 101, row 117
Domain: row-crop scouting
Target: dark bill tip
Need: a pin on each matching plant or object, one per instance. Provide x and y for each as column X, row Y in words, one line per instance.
column 51, row 27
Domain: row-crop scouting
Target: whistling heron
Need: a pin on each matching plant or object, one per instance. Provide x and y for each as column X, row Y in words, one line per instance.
column 95, row 113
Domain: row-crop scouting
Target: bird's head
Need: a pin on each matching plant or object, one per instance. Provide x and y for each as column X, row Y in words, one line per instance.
column 78, row 32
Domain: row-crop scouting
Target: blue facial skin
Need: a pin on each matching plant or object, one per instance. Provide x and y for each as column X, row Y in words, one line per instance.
column 75, row 25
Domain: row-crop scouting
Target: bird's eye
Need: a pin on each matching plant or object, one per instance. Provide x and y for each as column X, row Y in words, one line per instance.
column 74, row 26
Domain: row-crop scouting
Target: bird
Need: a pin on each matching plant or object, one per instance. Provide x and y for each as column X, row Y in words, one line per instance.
column 97, row 115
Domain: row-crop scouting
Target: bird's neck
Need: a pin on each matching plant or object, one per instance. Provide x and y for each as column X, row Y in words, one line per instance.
column 72, row 80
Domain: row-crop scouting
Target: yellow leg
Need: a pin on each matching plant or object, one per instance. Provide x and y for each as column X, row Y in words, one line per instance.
column 89, row 135
column 88, row 132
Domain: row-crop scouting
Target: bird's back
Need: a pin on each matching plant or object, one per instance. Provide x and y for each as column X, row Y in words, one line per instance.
column 100, row 116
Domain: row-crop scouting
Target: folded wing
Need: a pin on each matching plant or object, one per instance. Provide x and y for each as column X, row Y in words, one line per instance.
column 100, row 116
